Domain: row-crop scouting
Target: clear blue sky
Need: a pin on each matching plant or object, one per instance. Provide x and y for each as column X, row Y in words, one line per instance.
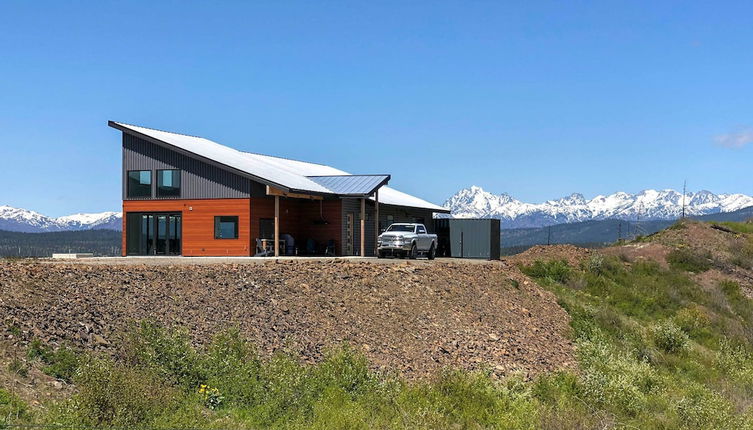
column 537, row 99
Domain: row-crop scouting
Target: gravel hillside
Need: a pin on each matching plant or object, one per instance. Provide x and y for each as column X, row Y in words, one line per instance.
column 414, row 319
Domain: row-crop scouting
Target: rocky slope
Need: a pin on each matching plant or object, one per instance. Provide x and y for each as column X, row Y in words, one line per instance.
column 408, row 317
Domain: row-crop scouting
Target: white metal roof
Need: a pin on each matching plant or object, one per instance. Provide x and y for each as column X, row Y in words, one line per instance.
column 290, row 174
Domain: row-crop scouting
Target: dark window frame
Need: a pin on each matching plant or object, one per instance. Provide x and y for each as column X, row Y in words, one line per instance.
column 217, row 230
column 128, row 184
column 157, row 183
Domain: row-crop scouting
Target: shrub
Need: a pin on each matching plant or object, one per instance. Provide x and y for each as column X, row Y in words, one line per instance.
column 692, row 319
column 613, row 379
column 18, row 367
column 669, row 337
column 702, row 408
column 111, row 394
column 12, row 409
column 61, row 363
column 38, row 350
column 595, row 264
column 735, row 360
column 685, row 259
column 554, row 270
column 167, row 351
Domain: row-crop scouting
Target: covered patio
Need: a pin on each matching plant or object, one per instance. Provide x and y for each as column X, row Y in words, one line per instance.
column 314, row 224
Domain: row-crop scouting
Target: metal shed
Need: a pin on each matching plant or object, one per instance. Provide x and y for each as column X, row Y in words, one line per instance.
column 474, row 238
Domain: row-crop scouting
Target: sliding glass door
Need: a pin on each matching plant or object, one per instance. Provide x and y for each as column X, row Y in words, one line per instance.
column 153, row 233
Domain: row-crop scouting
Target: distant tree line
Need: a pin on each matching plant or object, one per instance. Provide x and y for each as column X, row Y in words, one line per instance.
column 98, row 242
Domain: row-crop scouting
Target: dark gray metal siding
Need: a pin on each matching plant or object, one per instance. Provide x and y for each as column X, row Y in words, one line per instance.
column 475, row 238
column 199, row 180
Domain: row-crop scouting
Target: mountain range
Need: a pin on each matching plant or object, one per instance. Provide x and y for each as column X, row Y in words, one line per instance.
column 647, row 205
column 472, row 202
column 23, row 220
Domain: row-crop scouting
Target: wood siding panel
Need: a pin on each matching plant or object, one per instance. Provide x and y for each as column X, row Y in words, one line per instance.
column 198, row 224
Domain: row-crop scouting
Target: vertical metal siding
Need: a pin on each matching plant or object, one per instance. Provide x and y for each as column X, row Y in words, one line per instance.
column 475, row 238
column 199, row 180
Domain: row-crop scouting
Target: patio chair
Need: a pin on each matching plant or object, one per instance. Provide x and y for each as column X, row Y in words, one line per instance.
column 262, row 251
column 310, row 246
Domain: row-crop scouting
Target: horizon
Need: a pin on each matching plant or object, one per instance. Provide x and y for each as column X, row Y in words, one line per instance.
column 539, row 202
column 534, row 100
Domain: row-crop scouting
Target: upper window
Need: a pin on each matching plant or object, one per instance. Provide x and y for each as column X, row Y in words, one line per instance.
column 139, row 183
column 168, row 183
column 226, row 227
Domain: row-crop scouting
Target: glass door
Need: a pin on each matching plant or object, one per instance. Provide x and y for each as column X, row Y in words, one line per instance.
column 153, row 234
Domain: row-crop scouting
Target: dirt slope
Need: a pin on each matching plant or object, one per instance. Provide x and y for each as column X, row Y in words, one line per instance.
column 406, row 317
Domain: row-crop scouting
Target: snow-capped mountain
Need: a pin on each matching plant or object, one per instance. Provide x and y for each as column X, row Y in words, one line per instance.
column 15, row 219
column 474, row 202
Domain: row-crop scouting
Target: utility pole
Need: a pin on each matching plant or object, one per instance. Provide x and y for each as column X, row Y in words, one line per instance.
column 619, row 232
column 684, row 185
column 549, row 236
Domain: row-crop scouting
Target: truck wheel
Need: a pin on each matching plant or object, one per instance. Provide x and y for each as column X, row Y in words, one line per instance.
column 432, row 252
column 380, row 254
column 413, row 252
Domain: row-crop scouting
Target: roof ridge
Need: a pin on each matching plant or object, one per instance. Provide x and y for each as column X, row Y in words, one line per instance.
column 348, row 175
column 165, row 131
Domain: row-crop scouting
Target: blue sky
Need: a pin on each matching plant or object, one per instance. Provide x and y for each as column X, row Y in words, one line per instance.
column 536, row 99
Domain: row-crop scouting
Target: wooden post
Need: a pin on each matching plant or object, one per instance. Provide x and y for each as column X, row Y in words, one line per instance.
column 363, row 227
column 376, row 221
column 277, row 226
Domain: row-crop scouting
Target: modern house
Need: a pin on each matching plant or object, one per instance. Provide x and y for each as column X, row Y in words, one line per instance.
column 186, row 195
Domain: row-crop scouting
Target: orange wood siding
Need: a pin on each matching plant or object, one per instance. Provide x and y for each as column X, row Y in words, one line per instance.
column 299, row 218
column 198, row 224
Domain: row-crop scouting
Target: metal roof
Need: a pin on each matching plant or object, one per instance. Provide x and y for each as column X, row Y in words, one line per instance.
column 291, row 175
column 351, row 185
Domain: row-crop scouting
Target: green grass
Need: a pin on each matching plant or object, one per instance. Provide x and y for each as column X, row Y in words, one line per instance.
column 688, row 260
column 740, row 227
column 12, row 409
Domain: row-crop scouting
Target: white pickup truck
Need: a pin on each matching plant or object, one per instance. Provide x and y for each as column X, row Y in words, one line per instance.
column 406, row 240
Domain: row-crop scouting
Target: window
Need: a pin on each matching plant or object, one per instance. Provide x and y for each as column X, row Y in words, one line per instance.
column 420, row 230
column 139, row 183
column 226, row 227
column 168, row 183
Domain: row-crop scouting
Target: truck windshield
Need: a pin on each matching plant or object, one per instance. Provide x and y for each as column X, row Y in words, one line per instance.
column 398, row 227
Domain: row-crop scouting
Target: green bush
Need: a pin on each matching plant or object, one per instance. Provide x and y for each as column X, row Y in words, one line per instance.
column 111, row 394
column 554, row 270
column 702, row 408
column 38, row 350
column 18, row 367
column 167, row 351
column 12, row 409
column 613, row 379
column 693, row 319
column 736, row 360
column 669, row 337
column 685, row 259
column 61, row 363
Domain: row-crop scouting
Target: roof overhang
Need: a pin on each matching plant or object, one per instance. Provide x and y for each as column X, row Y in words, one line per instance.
column 352, row 185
